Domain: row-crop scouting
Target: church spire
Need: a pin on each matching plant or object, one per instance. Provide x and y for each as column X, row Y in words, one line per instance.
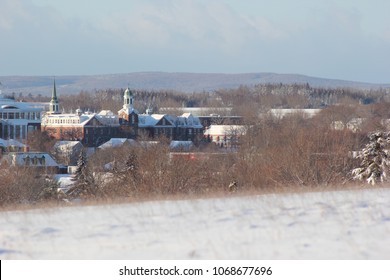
column 54, row 105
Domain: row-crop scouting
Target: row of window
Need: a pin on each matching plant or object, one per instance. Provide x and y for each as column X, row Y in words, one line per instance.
column 169, row 131
column 34, row 160
column 62, row 121
column 20, row 115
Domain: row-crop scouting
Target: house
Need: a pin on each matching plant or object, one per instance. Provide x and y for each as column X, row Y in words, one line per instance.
column 67, row 152
column 12, row 146
column 37, row 160
column 224, row 135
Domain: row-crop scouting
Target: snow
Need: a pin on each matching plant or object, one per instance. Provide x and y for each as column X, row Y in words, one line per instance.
column 222, row 130
column 65, row 180
column 281, row 113
column 325, row 225
column 11, row 143
column 184, row 145
column 117, row 142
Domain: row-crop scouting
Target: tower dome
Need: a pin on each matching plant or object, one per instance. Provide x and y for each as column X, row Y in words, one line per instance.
column 128, row 99
column 128, row 92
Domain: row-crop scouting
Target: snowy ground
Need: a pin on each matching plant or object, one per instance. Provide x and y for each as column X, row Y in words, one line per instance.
column 327, row 225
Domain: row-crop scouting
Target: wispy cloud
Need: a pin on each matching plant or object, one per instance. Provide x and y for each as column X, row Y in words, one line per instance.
column 189, row 23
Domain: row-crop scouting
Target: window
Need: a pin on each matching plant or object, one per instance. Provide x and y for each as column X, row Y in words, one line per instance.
column 27, row 160
column 42, row 160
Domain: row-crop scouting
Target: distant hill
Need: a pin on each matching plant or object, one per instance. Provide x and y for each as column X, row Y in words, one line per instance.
column 186, row 82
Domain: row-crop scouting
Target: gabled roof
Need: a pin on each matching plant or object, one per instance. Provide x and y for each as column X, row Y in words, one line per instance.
column 66, row 144
column 185, row 120
column 117, row 142
column 33, row 159
column 11, row 142
column 145, row 120
column 183, row 145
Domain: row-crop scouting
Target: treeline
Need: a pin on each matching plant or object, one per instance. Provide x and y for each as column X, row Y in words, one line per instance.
column 275, row 154
column 289, row 152
column 262, row 97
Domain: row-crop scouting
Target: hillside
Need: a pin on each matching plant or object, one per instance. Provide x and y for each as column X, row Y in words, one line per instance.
column 187, row 82
column 351, row 224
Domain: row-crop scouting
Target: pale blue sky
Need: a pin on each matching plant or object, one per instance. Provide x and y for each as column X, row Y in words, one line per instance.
column 342, row 39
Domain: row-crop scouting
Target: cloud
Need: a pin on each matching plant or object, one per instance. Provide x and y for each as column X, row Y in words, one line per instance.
column 185, row 23
column 191, row 35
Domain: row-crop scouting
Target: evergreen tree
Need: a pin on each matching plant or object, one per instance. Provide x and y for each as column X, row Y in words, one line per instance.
column 85, row 185
column 375, row 159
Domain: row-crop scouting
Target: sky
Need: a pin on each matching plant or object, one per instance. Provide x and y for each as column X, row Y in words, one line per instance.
column 344, row 39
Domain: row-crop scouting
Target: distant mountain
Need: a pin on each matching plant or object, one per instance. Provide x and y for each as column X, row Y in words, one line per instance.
column 186, row 82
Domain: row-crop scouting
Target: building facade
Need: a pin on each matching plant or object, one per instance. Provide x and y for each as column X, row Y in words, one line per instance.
column 91, row 129
column 17, row 119
column 95, row 129
column 186, row 127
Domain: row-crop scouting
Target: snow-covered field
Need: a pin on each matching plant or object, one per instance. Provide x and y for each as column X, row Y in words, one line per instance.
column 327, row 225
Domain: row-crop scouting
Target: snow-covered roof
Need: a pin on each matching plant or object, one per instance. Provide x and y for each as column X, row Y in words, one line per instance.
column 66, row 144
column 280, row 113
column 11, row 142
column 148, row 144
column 106, row 118
column 188, row 119
column 200, row 111
column 65, row 180
column 145, row 120
column 221, row 130
column 67, row 119
column 106, row 113
column 181, row 145
column 117, row 142
column 33, row 159
column 7, row 104
column 185, row 120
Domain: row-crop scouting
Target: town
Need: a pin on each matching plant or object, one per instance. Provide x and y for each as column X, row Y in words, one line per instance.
column 308, row 137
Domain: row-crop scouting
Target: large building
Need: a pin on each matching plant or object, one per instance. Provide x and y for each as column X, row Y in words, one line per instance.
column 95, row 129
column 17, row 119
column 92, row 129
column 184, row 127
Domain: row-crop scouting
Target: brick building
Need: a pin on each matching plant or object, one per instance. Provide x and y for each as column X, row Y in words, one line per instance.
column 94, row 129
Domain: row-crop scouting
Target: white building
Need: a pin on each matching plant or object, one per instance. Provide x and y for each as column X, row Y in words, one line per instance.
column 17, row 119
column 224, row 135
